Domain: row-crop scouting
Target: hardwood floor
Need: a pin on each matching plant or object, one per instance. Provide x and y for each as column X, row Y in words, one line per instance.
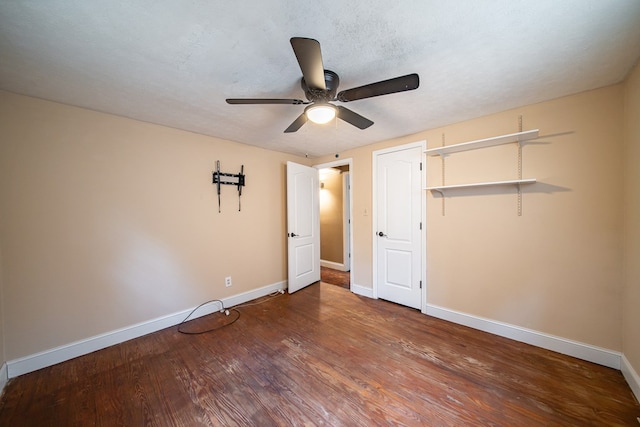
column 335, row 277
column 322, row 356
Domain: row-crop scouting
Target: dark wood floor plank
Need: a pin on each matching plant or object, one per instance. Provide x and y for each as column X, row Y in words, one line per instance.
column 322, row 356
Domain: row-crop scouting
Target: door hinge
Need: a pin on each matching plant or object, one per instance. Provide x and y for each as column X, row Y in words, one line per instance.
column 420, row 225
column 420, row 165
column 420, row 284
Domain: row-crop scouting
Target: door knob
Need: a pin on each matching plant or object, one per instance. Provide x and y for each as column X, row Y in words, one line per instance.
column 293, row 235
column 381, row 234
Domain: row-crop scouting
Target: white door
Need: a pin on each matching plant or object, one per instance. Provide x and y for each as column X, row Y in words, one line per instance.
column 398, row 227
column 303, row 226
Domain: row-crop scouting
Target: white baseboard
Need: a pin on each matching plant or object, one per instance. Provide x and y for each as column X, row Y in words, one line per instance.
column 56, row 355
column 576, row 349
column 4, row 376
column 333, row 265
column 361, row 290
column 632, row 377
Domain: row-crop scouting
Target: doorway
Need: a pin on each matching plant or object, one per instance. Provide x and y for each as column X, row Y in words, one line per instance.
column 335, row 222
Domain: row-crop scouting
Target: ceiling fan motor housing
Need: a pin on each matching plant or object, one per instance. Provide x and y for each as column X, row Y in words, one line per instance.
column 331, row 80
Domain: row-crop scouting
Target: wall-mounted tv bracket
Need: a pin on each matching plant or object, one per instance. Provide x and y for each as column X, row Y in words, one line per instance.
column 221, row 178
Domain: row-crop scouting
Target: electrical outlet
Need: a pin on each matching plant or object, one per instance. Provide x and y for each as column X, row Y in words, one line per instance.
column 227, row 281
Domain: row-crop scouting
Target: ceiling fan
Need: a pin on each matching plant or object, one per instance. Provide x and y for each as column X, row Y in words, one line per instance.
column 320, row 87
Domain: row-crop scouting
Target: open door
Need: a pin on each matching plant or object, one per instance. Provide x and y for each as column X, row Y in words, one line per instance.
column 303, row 226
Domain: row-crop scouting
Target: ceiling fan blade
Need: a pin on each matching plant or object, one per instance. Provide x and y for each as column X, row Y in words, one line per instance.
column 265, row 101
column 398, row 84
column 353, row 118
column 309, row 58
column 297, row 123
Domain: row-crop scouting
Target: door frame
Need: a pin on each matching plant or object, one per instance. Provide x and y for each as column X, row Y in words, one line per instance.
column 423, row 206
column 345, row 162
column 346, row 220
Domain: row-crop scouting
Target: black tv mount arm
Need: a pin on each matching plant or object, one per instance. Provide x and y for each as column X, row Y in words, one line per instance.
column 221, row 178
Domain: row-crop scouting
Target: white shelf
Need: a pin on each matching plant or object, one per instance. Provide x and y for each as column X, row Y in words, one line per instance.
column 443, row 188
column 483, row 143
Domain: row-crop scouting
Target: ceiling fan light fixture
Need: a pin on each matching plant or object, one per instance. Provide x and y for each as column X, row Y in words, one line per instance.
column 320, row 113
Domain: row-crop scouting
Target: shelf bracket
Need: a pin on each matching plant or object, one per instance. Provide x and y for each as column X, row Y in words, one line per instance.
column 442, row 158
column 519, row 166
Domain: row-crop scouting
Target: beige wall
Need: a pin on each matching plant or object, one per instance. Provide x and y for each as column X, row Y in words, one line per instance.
column 3, row 357
column 631, row 296
column 556, row 269
column 331, row 218
column 107, row 222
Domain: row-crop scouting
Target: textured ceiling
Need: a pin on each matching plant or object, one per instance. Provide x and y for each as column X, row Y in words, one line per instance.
column 173, row 62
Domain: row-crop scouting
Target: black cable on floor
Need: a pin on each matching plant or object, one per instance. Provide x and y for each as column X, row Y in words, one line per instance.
column 223, row 309
column 226, row 311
